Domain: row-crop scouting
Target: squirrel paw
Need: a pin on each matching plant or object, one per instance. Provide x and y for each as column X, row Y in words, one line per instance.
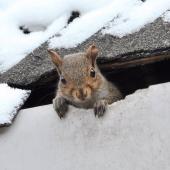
column 100, row 108
column 60, row 106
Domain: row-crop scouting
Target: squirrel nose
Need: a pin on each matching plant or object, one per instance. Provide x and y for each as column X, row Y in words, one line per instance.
column 81, row 94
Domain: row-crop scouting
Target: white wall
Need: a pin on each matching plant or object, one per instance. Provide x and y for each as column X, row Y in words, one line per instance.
column 133, row 135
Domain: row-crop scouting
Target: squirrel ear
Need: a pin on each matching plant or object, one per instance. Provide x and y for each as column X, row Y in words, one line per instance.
column 92, row 53
column 56, row 59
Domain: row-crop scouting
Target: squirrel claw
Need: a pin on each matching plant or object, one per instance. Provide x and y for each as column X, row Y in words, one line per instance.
column 60, row 106
column 100, row 108
column 61, row 115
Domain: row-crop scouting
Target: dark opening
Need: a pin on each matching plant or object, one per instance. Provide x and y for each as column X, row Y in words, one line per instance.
column 27, row 29
column 74, row 15
column 128, row 80
column 24, row 29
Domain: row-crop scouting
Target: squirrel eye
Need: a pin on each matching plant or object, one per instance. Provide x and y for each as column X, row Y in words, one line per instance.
column 63, row 80
column 92, row 72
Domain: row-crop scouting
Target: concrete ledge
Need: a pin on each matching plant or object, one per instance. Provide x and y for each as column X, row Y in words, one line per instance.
column 134, row 134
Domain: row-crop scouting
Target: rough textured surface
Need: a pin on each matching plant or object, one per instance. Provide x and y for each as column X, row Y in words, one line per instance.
column 37, row 69
column 133, row 135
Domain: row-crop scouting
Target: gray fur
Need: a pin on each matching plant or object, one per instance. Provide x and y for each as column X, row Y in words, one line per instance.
column 60, row 106
column 72, row 67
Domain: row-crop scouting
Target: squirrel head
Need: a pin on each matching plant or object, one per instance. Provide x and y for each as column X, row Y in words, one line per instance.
column 79, row 74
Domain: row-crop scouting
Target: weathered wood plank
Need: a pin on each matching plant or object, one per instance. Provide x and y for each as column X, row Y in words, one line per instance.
column 121, row 63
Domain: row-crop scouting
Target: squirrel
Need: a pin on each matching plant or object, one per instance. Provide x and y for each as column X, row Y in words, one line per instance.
column 81, row 83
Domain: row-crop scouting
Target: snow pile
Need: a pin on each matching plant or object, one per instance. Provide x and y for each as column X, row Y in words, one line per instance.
column 49, row 17
column 10, row 102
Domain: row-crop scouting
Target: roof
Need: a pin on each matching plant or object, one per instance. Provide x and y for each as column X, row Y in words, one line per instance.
column 150, row 44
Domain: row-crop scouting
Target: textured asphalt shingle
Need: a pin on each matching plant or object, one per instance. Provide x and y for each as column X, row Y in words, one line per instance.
column 36, row 68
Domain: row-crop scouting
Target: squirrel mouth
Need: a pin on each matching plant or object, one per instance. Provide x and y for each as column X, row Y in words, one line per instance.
column 82, row 100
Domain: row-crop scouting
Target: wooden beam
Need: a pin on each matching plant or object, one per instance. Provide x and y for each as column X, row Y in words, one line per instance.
column 122, row 63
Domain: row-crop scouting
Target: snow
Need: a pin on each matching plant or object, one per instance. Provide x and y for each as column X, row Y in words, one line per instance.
column 90, row 23
column 134, row 134
column 137, row 17
column 127, row 17
column 49, row 17
column 167, row 16
column 10, row 101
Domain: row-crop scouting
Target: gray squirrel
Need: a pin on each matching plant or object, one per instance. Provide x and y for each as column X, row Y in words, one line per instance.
column 81, row 83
